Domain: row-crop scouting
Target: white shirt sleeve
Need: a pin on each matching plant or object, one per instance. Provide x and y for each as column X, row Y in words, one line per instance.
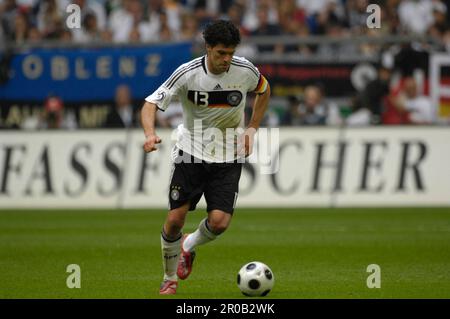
column 257, row 82
column 170, row 88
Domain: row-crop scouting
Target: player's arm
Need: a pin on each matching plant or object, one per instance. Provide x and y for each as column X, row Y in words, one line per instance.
column 259, row 109
column 148, row 117
column 158, row 100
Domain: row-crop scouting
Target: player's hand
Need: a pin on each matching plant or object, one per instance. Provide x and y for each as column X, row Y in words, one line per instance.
column 245, row 142
column 150, row 143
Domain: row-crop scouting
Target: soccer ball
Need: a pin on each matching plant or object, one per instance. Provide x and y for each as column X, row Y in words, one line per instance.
column 255, row 279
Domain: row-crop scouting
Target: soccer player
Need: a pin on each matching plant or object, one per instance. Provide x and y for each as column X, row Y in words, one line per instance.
column 212, row 90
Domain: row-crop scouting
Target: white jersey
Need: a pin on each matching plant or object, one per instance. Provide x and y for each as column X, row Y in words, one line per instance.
column 212, row 103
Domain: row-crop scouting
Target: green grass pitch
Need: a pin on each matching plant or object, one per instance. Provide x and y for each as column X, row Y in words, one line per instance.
column 314, row 253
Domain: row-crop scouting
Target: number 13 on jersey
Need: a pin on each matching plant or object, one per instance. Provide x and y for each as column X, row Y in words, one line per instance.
column 201, row 98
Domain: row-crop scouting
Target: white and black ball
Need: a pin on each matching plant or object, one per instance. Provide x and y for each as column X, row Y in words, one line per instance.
column 255, row 279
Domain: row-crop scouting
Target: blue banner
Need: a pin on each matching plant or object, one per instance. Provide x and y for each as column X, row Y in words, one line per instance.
column 91, row 74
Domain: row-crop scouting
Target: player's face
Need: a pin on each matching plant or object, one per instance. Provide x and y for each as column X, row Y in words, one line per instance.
column 219, row 58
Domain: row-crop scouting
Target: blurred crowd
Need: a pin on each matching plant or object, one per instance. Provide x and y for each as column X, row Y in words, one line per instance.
column 383, row 100
column 379, row 103
column 131, row 21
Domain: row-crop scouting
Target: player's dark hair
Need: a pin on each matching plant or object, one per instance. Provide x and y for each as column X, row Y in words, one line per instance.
column 222, row 32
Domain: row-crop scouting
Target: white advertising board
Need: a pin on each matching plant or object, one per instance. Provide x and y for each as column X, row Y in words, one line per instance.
column 323, row 167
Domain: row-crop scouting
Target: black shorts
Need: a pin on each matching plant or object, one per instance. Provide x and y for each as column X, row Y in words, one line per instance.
column 219, row 182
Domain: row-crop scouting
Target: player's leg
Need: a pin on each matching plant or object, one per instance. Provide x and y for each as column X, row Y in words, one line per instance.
column 220, row 193
column 185, row 192
column 171, row 239
column 208, row 229
column 170, row 247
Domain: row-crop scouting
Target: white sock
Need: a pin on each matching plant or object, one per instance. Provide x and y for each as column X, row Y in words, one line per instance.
column 170, row 253
column 201, row 236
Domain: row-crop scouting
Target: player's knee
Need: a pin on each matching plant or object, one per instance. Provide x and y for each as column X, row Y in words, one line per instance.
column 175, row 223
column 218, row 225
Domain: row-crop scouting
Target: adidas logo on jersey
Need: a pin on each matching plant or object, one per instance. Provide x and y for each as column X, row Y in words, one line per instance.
column 217, row 87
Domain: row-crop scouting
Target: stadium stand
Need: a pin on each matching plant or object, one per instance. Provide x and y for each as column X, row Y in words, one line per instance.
column 296, row 31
